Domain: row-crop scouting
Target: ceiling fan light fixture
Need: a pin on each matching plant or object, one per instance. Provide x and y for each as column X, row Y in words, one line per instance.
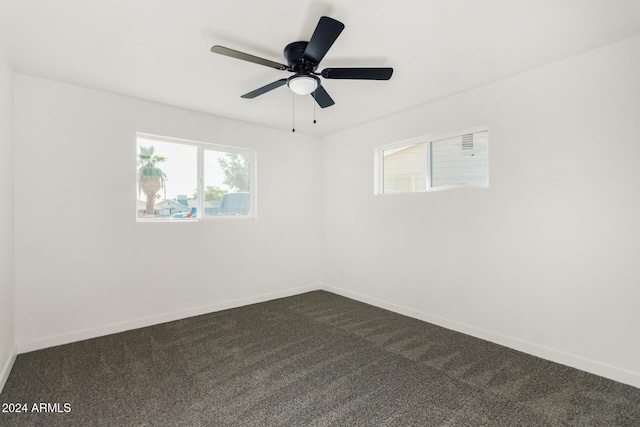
column 303, row 84
column 303, row 59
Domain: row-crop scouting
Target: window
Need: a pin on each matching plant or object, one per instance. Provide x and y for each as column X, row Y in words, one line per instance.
column 424, row 164
column 189, row 180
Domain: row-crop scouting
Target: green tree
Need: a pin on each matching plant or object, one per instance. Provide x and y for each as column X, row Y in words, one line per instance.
column 236, row 171
column 150, row 177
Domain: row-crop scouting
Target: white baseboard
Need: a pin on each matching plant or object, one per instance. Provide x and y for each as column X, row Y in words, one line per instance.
column 6, row 369
column 591, row 366
column 84, row 334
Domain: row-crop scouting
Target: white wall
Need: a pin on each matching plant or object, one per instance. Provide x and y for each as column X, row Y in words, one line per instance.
column 84, row 267
column 7, row 301
column 546, row 259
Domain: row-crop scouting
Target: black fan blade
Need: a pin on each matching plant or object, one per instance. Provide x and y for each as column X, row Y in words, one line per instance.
column 265, row 89
column 358, row 73
column 246, row 57
column 326, row 32
column 322, row 97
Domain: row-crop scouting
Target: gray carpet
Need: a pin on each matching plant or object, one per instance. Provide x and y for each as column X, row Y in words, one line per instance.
column 315, row 359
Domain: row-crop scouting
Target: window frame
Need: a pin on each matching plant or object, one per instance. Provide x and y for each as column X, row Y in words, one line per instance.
column 378, row 186
column 201, row 147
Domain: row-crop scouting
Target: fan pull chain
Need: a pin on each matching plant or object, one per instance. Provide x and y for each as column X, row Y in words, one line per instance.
column 293, row 112
column 314, row 106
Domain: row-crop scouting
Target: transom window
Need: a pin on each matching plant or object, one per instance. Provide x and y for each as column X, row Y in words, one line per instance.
column 449, row 161
column 189, row 180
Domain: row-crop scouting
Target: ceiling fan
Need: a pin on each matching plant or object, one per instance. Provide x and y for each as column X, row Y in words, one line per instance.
column 303, row 59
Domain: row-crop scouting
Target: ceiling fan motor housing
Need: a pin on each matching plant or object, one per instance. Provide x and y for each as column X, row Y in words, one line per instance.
column 294, row 54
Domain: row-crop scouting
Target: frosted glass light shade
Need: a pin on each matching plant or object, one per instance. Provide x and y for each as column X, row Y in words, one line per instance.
column 303, row 85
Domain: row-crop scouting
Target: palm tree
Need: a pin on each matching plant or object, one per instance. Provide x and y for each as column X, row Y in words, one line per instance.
column 150, row 177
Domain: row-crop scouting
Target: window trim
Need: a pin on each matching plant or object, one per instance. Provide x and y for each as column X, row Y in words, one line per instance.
column 201, row 147
column 378, row 169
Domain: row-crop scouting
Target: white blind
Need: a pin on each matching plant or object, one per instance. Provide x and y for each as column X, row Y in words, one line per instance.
column 461, row 160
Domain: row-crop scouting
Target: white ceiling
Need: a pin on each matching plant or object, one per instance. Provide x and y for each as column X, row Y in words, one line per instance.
column 159, row 49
